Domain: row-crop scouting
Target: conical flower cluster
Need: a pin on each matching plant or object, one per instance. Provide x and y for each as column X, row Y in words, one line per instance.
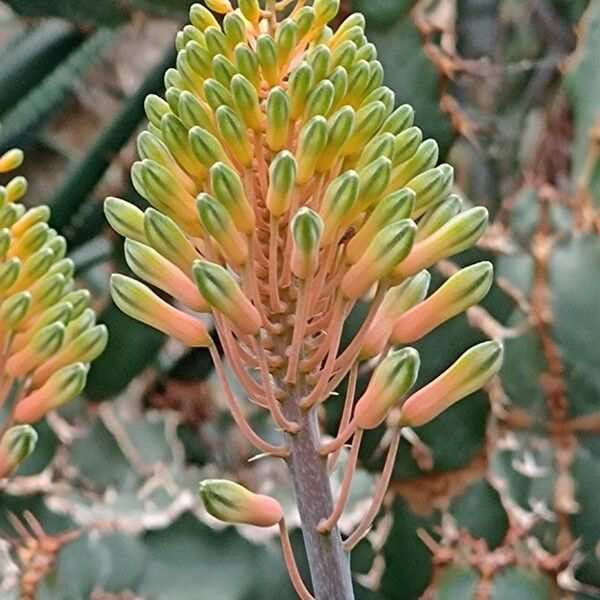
column 48, row 333
column 284, row 187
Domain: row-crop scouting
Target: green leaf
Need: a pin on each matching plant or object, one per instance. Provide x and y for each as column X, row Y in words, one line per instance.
column 524, row 584
column 456, row 583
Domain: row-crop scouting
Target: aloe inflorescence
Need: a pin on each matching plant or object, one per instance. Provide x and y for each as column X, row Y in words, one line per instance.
column 48, row 333
column 285, row 186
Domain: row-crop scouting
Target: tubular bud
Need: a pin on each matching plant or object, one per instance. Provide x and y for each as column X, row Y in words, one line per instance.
column 456, row 235
column 340, row 197
column 307, row 229
column 469, row 373
column 401, row 119
column 247, row 64
column 233, row 503
column 222, row 292
column 395, row 375
column 10, row 160
column 431, row 187
column 266, row 52
column 125, row 218
column 62, row 387
column 16, row 445
column 390, row 246
column 436, row 217
column 206, row 147
column 13, row 309
column 407, row 143
column 300, row 84
column 339, row 129
column 278, row 119
column 246, row 100
column 140, row 302
column 201, row 17
column 368, row 120
column 228, row 189
column 234, row 133
column 424, row 158
column 250, row 9
column 282, row 179
column 312, row 140
column 286, row 38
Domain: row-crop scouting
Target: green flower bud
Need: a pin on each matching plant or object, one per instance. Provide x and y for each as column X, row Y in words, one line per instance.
column 206, row 147
column 234, row 133
column 216, row 42
column 15, row 446
column 339, row 80
column 431, row 187
column 424, row 158
column 223, row 70
column 319, row 101
column 320, row 61
column 228, row 189
column 79, row 300
column 194, row 113
column 305, row 19
column 282, row 179
column 300, row 83
column 339, row 199
column 247, row 64
column 201, row 17
column 278, row 119
column 286, row 38
column 307, row 229
column 367, row 52
column 9, row 272
column 339, row 129
column 368, row 120
column 325, row 10
column 217, row 95
column 235, row 29
column 199, row 59
column 344, row 55
column 380, row 146
column 438, row 216
column 250, row 9
column 266, row 52
column 400, row 120
column 407, row 143
column 125, row 218
column 13, row 310
column 311, row 141
column 246, row 101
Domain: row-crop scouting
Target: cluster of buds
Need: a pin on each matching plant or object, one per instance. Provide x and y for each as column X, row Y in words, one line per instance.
column 284, row 187
column 48, row 333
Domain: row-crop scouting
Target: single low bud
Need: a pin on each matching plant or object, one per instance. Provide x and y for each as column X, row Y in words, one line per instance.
column 217, row 221
column 234, row 134
column 389, row 247
column 233, row 503
column 16, row 445
column 469, row 373
column 62, row 387
column 464, row 289
column 84, row 349
column 228, row 189
column 125, row 218
column 222, row 292
column 152, row 267
column 300, row 83
column 250, row 9
column 396, row 302
column 394, row 376
column 407, row 143
column 246, row 99
column 164, row 235
column 44, row 344
column 10, row 160
column 437, row 217
column 307, row 229
column 201, row 17
column 140, row 302
column 266, row 52
column 311, row 141
column 456, row 235
column 424, row 158
column 339, row 198
column 278, row 119
column 394, row 207
column 282, row 179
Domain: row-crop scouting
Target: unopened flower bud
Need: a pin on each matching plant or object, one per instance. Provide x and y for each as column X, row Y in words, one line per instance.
column 358, row 79
column 437, row 217
column 354, row 20
column 206, row 147
column 311, row 141
column 234, row 28
column 282, row 179
column 464, row 289
column 319, row 100
column 16, row 188
column 164, row 235
column 217, row 94
column 468, row 374
column 155, row 107
column 58, row 313
column 39, row 214
column 339, row 129
column 286, row 38
column 300, row 83
column 11, row 160
column 344, row 54
column 216, row 42
column 9, row 273
column 201, row 17
column 140, row 302
column 339, row 80
column 456, row 235
column 222, row 292
column 13, row 309
column 383, row 145
column 266, row 52
column 228, row 189
column 424, row 158
column 233, row 503
column 16, row 445
column 389, row 247
column 305, row 19
column 79, row 300
column 43, row 345
column 278, row 119
column 394, row 207
column 325, row 10
column 319, row 60
column 250, row 9
column 235, row 135
column 395, row 375
column 247, row 64
column 175, row 136
column 125, row 218
column 245, row 97
column 62, row 387
column 307, row 229
column 194, row 113
column 368, row 120
column 339, row 198
column 431, row 187
column 217, row 221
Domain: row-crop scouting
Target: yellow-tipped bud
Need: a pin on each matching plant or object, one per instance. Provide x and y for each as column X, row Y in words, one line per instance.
column 456, row 235
column 282, row 179
column 389, row 247
column 151, row 266
column 16, row 445
column 222, row 292
column 62, row 387
column 464, row 289
column 228, row 189
column 468, row 374
column 312, row 140
column 16, row 188
column 394, row 207
column 307, row 229
column 39, row 214
column 201, row 17
column 125, row 218
column 219, row 6
column 396, row 302
column 140, row 302
column 217, row 221
column 395, row 375
column 233, row 503
column 278, row 119
column 339, row 129
column 10, row 160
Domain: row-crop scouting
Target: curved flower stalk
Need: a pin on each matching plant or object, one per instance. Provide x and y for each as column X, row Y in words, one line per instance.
column 284, row 187
column 48, row 333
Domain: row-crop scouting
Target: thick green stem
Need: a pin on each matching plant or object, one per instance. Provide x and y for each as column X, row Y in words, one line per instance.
column 329, row 563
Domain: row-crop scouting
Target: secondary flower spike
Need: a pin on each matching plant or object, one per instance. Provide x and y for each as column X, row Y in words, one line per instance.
column 45, row 345
column 286, row 187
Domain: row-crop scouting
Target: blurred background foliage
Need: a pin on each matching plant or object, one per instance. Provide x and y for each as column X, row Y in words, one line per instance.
column 498, row 497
